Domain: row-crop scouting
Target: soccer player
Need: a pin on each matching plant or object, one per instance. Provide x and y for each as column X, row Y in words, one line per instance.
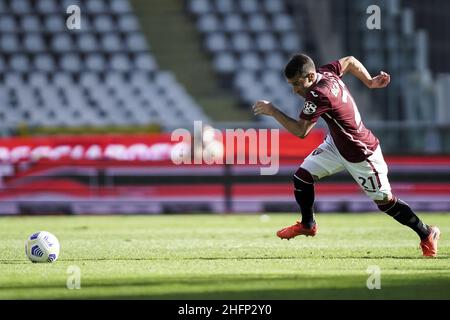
column 349, row 144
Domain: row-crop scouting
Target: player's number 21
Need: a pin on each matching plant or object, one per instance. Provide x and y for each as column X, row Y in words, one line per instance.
column 364, row 181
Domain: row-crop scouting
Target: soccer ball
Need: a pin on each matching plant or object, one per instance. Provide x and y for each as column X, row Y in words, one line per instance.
column 42, row 247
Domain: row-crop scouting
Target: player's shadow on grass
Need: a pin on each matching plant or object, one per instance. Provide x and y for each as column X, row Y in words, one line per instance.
column 251, row 287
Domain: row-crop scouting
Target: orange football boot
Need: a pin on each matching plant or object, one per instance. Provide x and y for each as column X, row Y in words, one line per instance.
column 296, row 230
column 429, row 245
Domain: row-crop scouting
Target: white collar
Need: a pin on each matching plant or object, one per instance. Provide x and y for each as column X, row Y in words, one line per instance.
column 319, row 77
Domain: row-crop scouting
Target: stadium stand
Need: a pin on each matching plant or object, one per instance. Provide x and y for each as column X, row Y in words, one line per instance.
column 249, row 43
column 102, row 74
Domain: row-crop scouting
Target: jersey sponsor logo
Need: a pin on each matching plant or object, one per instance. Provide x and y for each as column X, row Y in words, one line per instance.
column 309, row 107
column 317, row 151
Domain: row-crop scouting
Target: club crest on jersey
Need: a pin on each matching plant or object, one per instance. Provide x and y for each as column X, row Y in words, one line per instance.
column 309, row 107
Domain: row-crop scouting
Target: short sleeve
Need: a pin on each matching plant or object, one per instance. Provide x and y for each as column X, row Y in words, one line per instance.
column 315, row 105
column 333, row 67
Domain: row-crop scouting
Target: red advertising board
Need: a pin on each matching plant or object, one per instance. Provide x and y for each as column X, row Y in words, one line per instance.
column 151, row 147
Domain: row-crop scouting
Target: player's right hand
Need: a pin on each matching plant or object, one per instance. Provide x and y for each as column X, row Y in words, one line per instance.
column 263, row 107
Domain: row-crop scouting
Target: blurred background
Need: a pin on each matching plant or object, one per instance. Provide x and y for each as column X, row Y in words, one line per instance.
column 87, row 106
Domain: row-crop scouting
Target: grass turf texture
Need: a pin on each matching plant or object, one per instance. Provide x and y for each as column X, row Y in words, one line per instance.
column 224, row 257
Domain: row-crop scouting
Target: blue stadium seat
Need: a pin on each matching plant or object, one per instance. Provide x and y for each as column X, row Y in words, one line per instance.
column 120, row 6
column 241, row 42
column 87, row 42
column 120, row 62
column 8, row 23
column 244, row 79
column 47, row 6
column 55, row 23
column 282, row 23
column 10, row 43
column 44, row 62
column 62, row 42
column 95, row 6
column 89, row 79
column 71, row 62
column 250, row 61
column 38, row 79
column 19, row 62
column 233, row 23
column 140, row 78
column 249, row 6
column 258, row 23
column 275, row 60
column 216, row 42
column 136, row 42
column 63, row 79
column 224, row 6
column 103, row 23
column 14, row 80
column 273, row 6
column 30, row 23
column 208, row 23
column 145, row 62
column 225, row 63
column 95, row 62
column 128, row 23
column 114, row 79
column 199, row 7
column 34, row 42
column 20, row 6
column 266, row 42
column 290, row 42
column 111, row 42
column 272, row 79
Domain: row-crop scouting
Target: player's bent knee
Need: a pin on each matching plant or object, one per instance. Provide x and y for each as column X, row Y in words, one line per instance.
column 387, row 198
column 303, row 175
column 387, row 203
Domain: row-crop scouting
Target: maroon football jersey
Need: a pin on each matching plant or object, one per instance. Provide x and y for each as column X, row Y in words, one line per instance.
column 330, row 99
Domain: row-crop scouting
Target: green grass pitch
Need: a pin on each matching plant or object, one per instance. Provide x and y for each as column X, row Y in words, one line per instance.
column 224, row 257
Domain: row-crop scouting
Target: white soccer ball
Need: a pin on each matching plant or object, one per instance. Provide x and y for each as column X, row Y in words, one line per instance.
column 42, row 247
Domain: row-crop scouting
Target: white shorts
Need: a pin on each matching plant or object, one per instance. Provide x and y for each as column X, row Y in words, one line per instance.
column 370, row 174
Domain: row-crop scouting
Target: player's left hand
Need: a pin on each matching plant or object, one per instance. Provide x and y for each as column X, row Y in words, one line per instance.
column 381, row 80
column 263, row 107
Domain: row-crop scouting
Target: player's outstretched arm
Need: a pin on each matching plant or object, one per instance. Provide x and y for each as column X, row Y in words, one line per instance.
column 356, row 68
column 299, row 128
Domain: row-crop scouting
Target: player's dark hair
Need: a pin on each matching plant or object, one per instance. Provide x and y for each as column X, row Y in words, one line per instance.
column 299, row 64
